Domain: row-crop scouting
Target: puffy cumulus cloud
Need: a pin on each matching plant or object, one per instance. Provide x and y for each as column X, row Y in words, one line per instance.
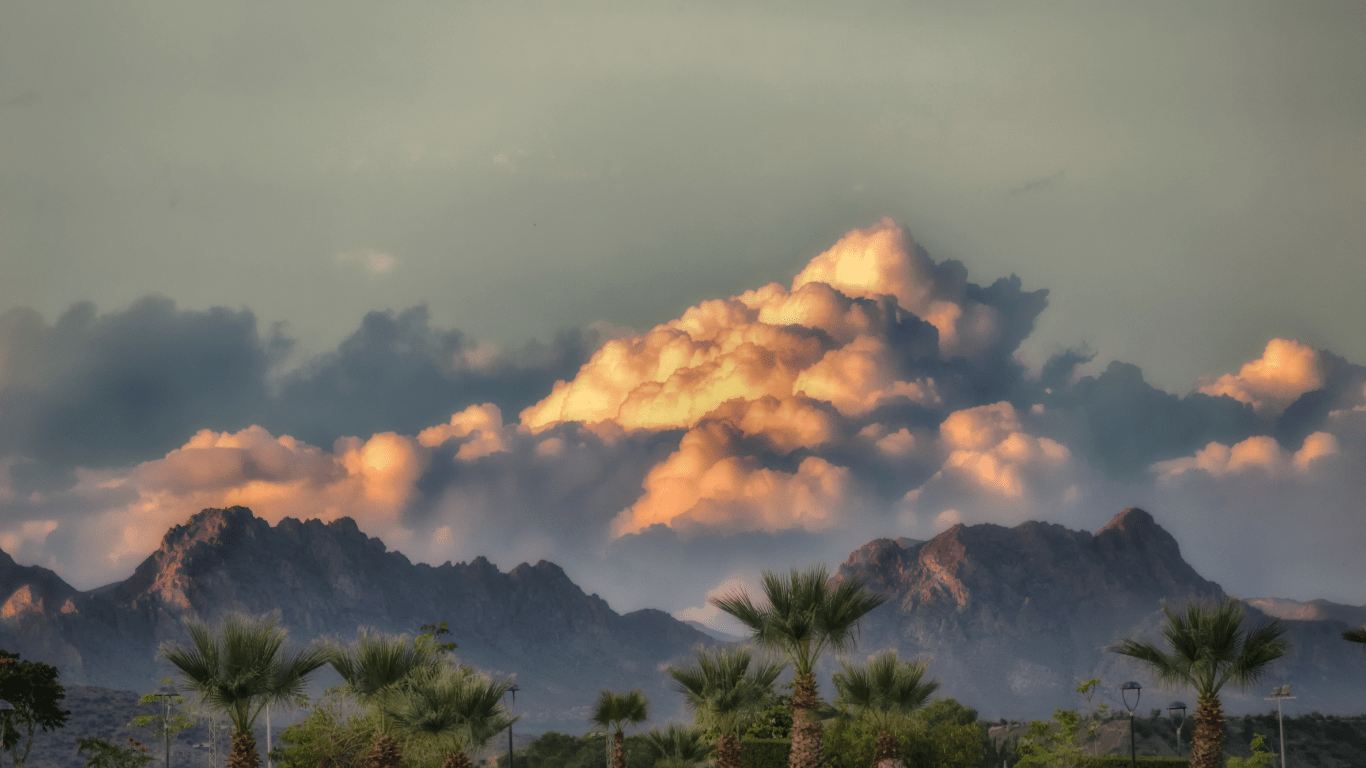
column 863, row 324
column 1255, row 453
column 859, row 377
column 479, row 427
column 370, row 480
column 988, row 447
column 709, row 482
column 882, row 260
column 1286, row 370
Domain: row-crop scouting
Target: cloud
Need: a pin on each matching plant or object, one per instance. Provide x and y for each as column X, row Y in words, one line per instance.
column 709, row 482
column 112, row 390
column 1286, row 370
column 878, row 395
column 1255, row 453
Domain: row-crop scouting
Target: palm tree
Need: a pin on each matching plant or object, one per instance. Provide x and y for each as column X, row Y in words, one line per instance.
column 455, row 710
column 804, row 616
column 1209, row 648
column 613, row 712
column 239, row 670
column 885, row 692
column 371, row 668
column 677, row 747
column 1357, row 635
column 721, row 689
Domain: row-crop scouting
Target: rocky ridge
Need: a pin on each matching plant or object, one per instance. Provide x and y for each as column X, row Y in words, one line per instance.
column 328, row 579
column 1013, row 618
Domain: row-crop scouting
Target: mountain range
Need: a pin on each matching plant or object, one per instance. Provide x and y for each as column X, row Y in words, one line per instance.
column 1009, row 618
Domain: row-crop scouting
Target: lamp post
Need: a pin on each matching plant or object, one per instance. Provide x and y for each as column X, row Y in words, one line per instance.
column 1178, row 708
column 5, row 709
column 513, row 691
column 165, row 694
column 1280, row 693
column 1124, row 693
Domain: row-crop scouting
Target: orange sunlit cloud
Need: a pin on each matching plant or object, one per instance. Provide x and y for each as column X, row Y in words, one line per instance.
column 706, row 482
column 1286, row 370
column 775, row 342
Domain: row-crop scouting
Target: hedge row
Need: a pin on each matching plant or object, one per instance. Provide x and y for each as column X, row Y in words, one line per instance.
column 1117, row 761
column 765, row 753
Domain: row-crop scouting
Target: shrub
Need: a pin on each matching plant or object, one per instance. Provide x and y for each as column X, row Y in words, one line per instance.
column 766, row 753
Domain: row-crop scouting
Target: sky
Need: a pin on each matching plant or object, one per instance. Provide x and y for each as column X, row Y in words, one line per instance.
column 671, row 293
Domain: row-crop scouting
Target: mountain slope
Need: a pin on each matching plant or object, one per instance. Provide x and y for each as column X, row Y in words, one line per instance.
column 326, row 580
column 1013, row 618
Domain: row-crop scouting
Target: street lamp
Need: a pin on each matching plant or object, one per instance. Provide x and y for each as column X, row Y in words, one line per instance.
column 513, row 690
column 166, row 694
column 1178, row 708
column 1280, row 693
column 1124, row 693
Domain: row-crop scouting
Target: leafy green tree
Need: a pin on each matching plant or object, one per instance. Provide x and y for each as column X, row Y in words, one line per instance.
column 32, row 688
column 722, row 689
column 99, row 753
column 804, row 616
column 374, row 666
column 886, row 692
column 773, row 722
column 453, row 710
column 1052, row 744
column 430, row 639
column 1261, row 757
column 1095, row 714
column 1209, row 648
column 677, row 746
column 1357, row 635
column 239, row 670
column 172, row 720
column 329, row 736
column 613, row 712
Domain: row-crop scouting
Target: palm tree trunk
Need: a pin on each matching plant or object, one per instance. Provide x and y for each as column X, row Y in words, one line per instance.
column 619, row 749
column 1207, row 742
column 888, row 753
column 243, row 753
column 457, row 760
column 728, row 751
column 806, row 730
column 385, row 752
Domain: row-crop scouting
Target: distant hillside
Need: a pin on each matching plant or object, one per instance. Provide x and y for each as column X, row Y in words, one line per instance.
column 326, row 580
column 1012, row 618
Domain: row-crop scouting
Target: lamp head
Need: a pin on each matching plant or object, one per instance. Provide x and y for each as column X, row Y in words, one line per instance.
column 1177, row 708
column 5, row 707
column 1124, row 693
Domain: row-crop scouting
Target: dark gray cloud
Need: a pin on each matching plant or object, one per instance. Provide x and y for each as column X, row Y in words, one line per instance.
column 1121, row 424
column 110, row 390
column 398, row 373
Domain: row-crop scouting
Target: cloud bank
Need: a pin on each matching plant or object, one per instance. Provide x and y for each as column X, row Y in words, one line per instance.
column 878, row 394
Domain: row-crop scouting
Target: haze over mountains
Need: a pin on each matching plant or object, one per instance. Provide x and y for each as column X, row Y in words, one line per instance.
column 1010, row 618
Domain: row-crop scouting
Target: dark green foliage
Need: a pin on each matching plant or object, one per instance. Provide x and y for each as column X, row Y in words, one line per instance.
column 944, row 734
column 766, row 753
column 33, row 689
column 99, row 753
column 327, row 736
column 558, row 750
column 772, row 723
column 1123, row 761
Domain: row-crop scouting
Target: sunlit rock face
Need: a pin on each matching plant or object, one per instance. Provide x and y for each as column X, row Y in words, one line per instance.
column 1012, row 618
column 325, row 580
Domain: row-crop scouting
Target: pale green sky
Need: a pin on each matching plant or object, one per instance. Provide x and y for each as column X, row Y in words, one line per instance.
column 1187, row 180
